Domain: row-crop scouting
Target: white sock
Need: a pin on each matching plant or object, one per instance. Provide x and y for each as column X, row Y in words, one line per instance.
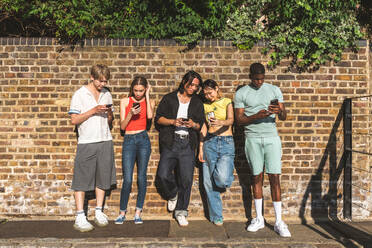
column 98, row 209
column 258, row 206
column 278, row 211
column 80, row 213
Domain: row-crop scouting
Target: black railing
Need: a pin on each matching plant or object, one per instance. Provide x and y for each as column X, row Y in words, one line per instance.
column 348, row 153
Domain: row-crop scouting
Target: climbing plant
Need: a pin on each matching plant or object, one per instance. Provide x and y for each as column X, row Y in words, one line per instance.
column 307, row 32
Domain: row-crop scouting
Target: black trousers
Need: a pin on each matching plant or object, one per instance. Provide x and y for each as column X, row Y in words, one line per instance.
column 176, row 172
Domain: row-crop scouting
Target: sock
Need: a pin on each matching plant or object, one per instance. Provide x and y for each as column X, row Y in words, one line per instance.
column 137, row 215
column 258, row 205
column 278, row 211
column 80, row 213
column 98, row 209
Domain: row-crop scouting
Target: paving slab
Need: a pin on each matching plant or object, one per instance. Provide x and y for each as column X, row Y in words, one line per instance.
column 197, row 229
column 365, row 226
column 357, row 232
column 198, row 234
column 299, row 232
column 64, row 229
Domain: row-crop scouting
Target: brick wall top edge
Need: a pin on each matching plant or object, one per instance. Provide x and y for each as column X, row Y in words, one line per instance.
column 108, row 42
column 122, row 42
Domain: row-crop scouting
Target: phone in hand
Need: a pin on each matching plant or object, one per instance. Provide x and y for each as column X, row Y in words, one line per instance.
column 211, row 115
column 136, row 105
column 274, row 102
column 185, row 119
column 108, row 105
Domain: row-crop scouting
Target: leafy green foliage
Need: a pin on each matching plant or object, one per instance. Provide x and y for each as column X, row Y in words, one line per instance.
column 308, row 32
column 365, row 15
column 186, row 21
column 246, row 26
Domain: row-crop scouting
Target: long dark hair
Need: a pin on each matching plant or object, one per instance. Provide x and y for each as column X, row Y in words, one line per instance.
column 139, row 80
column 188, row 78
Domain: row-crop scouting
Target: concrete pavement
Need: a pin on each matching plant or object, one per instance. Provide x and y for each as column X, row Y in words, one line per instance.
column 165, row 233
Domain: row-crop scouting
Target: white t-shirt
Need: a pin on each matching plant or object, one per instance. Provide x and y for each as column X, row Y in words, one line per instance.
column 182, row 113
column 95, row 128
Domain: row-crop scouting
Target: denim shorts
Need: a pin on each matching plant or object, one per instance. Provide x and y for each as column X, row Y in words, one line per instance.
column 264, row 152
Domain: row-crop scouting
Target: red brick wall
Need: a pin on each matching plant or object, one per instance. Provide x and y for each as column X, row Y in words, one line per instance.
column 37, row 141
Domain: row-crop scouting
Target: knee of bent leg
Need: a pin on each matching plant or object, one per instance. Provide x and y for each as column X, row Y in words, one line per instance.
column 223, row 180
column 161, row 175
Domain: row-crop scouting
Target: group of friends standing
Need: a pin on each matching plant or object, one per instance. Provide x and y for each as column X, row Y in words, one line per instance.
column 194, row 119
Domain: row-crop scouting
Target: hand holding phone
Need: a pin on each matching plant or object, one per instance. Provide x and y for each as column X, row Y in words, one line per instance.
column 136, row 108
column 274, row 102
column 108, row 105
column 211, row 116
column 184, row 120
column 274, row 107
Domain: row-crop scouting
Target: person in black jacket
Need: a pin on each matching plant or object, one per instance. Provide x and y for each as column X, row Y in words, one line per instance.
column 178, row 119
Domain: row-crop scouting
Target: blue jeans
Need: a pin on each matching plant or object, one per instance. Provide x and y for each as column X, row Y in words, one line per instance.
column 135, row 146
column 219, row 153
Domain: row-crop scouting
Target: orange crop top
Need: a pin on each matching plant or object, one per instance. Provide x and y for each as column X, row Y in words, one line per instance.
column 138, row 121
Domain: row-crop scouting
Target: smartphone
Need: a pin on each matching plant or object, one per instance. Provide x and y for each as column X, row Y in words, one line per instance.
column 210, row 115
column 108, row 105
column 274, row 102
column 136, row 104
column 185, row 119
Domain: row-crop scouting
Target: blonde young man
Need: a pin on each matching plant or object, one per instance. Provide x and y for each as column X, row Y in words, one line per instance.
column 94, row 167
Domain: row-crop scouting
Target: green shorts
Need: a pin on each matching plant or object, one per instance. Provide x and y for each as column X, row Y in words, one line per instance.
column 262, row 152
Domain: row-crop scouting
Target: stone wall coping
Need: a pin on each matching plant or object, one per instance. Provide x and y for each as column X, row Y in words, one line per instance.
column 43, row 41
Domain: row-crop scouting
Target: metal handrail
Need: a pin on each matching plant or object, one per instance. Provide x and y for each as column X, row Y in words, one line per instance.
column 348, row 150
column 348, row 147
column 362, row 152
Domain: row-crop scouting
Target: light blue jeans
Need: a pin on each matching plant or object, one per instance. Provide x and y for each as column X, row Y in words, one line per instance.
column 219, row 153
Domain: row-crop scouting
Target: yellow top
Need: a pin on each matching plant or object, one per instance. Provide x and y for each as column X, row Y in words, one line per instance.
column 219, row 108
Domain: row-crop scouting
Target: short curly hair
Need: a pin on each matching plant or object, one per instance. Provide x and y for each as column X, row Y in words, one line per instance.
column 257, row 68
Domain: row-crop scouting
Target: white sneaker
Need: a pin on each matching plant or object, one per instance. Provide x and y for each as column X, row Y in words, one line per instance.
column 82, row 224
column 172, row 203
column 101, row 219
column 282, row 229
column 256, row 224
column 182, row 220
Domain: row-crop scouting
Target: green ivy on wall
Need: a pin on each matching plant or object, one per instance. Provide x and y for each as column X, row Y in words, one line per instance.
column 308, row 32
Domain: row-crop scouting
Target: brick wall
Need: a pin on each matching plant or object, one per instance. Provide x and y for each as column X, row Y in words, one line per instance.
column 37, row 141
